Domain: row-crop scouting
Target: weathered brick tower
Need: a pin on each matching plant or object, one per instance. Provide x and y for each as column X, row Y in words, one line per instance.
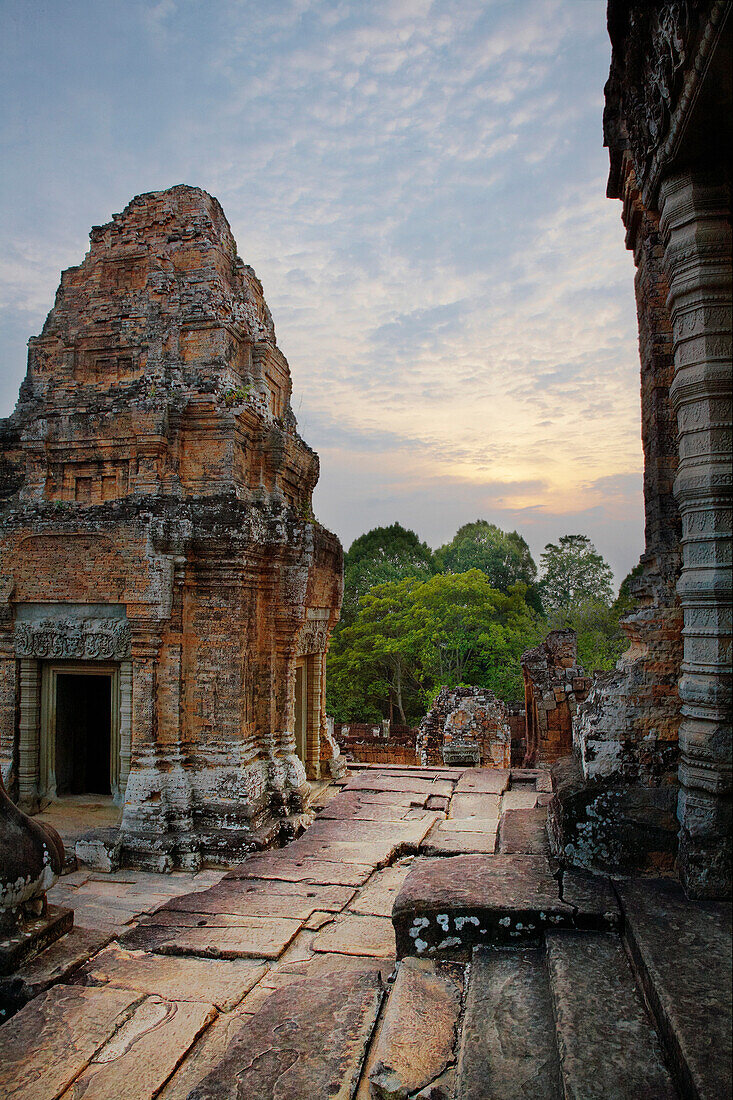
column 166, row 595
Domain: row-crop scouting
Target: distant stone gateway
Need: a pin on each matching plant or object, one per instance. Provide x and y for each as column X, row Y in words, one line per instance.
column 163, row 579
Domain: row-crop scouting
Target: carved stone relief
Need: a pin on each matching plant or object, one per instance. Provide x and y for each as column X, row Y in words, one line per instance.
column 77, row 639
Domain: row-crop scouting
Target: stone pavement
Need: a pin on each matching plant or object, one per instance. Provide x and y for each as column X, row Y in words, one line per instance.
column 281, row 980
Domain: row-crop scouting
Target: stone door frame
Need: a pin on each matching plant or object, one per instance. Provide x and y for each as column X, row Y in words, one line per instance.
column 36, row 764
column 47, row 744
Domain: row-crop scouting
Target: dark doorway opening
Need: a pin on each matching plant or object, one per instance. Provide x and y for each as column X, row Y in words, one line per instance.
column 83, row 734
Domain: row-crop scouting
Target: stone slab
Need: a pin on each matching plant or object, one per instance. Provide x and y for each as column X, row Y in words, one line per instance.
column 508, row 1049
column 524, row 832
column 448, row 906
column 608, row 1048
column 380, row 832
column 285, row 867
column 465, row 805
column 441, row 841
column 57, row 963
column 206, row 1054
column 520, row 798
column 378, row 896
column 222, row 983
column 487, row 825
column 380, row 781
column 682, row 952
column 437, row 802
column 417, row 1038
column 260, row 897
column 371, row 811
column 19, row 947
column 483, row 781
column 307, row 1040
column 372, row 853
column 357, row 934
column 136, row 1061
column 256, row 937
column 50, row 1041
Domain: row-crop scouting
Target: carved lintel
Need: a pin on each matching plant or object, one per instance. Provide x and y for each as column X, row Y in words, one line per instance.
column 75, row 639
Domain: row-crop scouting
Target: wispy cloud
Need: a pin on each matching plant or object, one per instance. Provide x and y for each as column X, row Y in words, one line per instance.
column 419, row 185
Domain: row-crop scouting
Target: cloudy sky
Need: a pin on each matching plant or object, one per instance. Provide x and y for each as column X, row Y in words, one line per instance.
column 420, row 186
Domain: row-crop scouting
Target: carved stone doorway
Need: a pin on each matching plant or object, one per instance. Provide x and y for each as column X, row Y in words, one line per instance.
column 301, row 709
column 83, row 734
column 80, row 730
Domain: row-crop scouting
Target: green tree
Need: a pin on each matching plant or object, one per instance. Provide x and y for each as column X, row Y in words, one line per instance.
column 381, row 555
column 600, row 638
column 503, row 556
column 573, row 572
column 373, row 666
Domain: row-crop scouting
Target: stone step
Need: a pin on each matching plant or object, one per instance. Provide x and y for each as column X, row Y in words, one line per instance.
column 607, row 1044
column 681, row 951
column 508, row 1049
column 448, row 906
column 417, row 1037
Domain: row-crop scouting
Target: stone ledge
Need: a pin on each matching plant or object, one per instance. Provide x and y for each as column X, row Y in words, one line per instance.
column 448, row 906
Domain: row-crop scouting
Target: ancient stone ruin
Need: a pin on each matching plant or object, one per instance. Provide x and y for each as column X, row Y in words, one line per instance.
column 466, row 726
column 167, row 596
column 659, row 727
column 555, row 684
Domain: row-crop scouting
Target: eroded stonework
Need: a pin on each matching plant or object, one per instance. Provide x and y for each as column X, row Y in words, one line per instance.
column 156, row 528
column 667, row 706
column 555, row 684
column 466, row 726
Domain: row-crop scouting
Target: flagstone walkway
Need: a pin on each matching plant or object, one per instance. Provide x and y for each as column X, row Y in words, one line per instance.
column 355, row 964
column 154, row 1011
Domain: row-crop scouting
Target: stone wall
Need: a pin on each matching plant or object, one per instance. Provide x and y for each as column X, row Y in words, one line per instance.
column 554, row 686
column 155, row 515
column 466, row 725
column 668, row 126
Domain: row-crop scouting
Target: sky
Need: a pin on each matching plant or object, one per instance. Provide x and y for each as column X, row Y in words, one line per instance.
column 420, row 187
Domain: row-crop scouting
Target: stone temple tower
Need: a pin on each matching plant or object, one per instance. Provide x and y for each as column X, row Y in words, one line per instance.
column 166, row 596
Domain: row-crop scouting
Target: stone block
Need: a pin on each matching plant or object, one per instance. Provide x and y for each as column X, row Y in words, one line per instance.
column 99, row 849
column 45, row 1047
column 356, row 934
column 508, row 1049
column 222, row 983
column 417, row 1038
column 608, row 1047
column 308, row 1039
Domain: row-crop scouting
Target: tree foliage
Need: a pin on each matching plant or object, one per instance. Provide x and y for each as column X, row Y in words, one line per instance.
column 413, row 621
column 573, row 572
column 382, row 554
column 410, row 637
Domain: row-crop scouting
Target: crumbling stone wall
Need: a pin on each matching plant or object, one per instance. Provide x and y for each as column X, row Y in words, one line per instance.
column 155, row 515
column 554, row 686
column 466, row 725
column 668, row 126
column 388, row 743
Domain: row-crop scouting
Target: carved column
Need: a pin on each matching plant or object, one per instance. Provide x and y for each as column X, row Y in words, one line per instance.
column 29, row 725
column 695, row 221
column 125, row 724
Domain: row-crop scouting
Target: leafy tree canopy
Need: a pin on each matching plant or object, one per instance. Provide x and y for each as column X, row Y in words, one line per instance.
column 573, row 572
column 381, row 555
column 409, row 638
column 503, row 556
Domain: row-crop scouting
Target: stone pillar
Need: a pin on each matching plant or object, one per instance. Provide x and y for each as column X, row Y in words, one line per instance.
column 125, row 724
column 696, row 225
column 29, row 725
